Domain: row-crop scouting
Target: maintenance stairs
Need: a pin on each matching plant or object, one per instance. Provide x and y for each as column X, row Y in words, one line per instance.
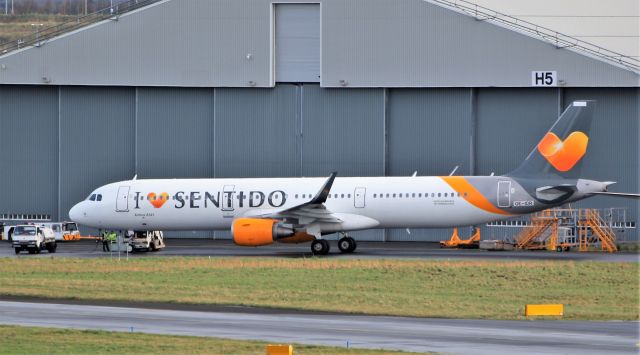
column 533, row 237
column 41, row 36
column 543, row 231
column 589, row 220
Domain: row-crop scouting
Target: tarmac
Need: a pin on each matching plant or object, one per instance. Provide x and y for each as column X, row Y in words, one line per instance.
column 408, row 250
column 459, row 336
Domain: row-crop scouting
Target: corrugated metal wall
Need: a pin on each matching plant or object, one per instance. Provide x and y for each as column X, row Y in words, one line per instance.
column 104, row 134
column 97, row 140
column 428, row 131
column 174, row 133
column 256, row 132
column 28, row 149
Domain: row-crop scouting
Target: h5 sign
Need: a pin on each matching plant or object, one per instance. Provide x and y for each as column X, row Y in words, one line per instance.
column 544, row 78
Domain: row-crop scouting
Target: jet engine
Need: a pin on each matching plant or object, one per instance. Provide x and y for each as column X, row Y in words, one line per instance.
column 257, row 231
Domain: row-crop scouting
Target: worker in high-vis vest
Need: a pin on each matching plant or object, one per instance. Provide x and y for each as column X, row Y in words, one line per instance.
column 105, row 241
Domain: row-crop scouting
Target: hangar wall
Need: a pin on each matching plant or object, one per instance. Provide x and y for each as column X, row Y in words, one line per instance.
column 364, row 43
column 60, row 142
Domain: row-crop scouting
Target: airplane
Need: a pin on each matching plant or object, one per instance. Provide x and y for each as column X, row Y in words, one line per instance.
column 260, row 211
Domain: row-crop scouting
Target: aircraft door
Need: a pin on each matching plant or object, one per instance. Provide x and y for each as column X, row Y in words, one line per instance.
column 358, row 197
column 504, row 193
column 122, row 201
column 227, row 203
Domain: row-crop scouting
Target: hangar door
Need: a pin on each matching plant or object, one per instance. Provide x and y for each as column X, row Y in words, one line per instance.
column 297, row 43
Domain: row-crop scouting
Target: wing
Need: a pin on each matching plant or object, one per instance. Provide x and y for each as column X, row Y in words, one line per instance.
column 312, row 211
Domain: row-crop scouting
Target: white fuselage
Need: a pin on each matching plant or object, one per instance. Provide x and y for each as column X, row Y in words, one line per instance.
column 213, row 204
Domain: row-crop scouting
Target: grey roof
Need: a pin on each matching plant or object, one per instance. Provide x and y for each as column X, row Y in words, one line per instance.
column 365, row 43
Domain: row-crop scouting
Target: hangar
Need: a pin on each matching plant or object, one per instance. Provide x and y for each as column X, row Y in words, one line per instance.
column 261, row 88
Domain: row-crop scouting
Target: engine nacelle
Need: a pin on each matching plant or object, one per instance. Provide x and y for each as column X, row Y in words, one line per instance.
column 255, row 232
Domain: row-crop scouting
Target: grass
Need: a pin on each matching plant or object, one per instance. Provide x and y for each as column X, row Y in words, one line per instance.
column 451, row 289
column 17, row 27
column 36, row 340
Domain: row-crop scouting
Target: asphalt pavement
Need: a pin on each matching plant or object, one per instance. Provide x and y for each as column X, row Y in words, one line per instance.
column 457, row 336
column 411, row 250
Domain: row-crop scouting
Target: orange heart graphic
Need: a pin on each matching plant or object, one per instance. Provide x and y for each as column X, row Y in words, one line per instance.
column 157, row 200
column 563, row 155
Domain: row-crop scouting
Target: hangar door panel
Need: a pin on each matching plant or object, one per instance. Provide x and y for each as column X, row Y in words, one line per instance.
column 297, row 42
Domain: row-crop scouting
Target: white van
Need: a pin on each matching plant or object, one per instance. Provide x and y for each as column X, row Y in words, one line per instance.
column 33, row 239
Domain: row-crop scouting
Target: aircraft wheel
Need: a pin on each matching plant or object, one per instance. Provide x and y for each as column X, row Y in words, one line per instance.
column 347, row 245
column 18, row 250
column 559, row 249
column 320, row 247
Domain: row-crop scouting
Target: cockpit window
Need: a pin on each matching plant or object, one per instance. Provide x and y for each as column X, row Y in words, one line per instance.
column 99, row 197
column 92, row 197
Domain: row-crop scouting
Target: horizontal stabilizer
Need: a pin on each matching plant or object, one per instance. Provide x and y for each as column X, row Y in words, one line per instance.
column 617, row 194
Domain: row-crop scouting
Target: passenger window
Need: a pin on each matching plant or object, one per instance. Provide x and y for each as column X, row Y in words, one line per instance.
column 413, row 195
column 394, row 195
column 349, row 196
column 420, row 194
column 296, row 195
column 99, row 198
column 387, row 195
column 342, row 196
column 374, row 195
column 439, row 194
column 465, row 194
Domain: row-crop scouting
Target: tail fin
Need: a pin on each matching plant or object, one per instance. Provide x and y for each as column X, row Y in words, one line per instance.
column 562, row 151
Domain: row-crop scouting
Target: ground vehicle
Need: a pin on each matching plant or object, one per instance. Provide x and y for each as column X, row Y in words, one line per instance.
column 33, row 239
column 63, row 230
column 147, row 240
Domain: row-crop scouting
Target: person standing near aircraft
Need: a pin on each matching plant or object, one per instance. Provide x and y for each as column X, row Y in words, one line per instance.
column 105, row 240
column 108, row 237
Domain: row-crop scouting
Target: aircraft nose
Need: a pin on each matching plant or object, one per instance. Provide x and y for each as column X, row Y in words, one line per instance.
column 76, row 213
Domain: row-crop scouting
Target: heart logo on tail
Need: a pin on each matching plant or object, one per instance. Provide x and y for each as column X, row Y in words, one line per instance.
column 563, row 155
column 157, row 200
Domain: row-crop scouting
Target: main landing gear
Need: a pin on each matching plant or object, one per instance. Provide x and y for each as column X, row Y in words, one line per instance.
column 320, row 247
column 346, row 244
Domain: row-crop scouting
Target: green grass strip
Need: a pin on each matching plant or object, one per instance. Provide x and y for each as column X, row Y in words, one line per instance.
column 451, row 289
column 36, row 340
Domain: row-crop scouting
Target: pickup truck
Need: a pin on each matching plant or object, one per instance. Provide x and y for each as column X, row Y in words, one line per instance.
column 33, row 239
